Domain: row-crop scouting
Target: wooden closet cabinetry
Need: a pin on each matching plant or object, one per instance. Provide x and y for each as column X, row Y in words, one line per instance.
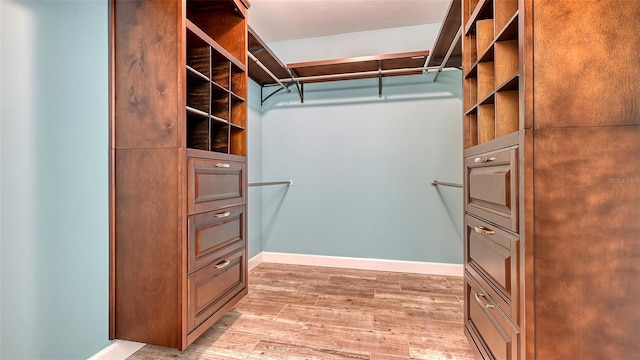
column 178, row 167
column 552, row 178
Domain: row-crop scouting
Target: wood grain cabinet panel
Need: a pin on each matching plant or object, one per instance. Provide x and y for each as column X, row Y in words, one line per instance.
column 213, row 286
column 487, row 326
column 147, row 104
column 587, row 225
column 493, row 255
column 558, row 185
column 492, row 192
column 213, row 234
column 593, row 34
column 215, row 183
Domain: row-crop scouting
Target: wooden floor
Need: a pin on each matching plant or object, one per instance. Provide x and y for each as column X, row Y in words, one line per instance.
column 304, row 312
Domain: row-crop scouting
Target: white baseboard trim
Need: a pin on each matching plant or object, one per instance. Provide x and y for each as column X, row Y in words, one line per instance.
column 416, row 267
column 255, row 261
column 118, row 350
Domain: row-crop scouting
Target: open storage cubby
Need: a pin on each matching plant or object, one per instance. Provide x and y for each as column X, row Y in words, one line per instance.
column 216, row 79
column 503, row 12
column 491, row 69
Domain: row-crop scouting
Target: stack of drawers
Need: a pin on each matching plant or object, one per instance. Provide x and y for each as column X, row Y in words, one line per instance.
column 491, row 250
column 216, row 247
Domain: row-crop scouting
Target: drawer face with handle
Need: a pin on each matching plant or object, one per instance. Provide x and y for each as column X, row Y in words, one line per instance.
column 492, row 331
column 494, row 254
column 213, row 286
column 214, row 234
column 214, row 184
column 492, row 187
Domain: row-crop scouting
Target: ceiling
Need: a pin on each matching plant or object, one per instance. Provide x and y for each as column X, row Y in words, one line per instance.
column 276, row 20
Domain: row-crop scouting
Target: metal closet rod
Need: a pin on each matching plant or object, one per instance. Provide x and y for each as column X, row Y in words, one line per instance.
column 444, row 183
column 363, row 73
column 268, row 183
column 449, row 52
column 259, row 63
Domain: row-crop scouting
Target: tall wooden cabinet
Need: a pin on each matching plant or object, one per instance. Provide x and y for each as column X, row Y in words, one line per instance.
column 552, row 178
column 178, row 167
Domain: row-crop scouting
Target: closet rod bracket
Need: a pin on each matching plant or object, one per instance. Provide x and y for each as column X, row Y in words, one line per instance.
column 444, row 183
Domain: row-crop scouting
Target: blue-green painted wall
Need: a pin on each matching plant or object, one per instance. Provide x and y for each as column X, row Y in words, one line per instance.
column 362, row 167
column 254, row 150
column 54, row 179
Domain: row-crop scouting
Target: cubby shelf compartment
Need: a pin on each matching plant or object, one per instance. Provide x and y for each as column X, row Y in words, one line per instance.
column 509, row 85
column 506, row 112
column 484, row 35
column 491, row 69
column 479, row 9
column 486, row 123
column 220, row 73
column 195, row 30
column 503, row 11
column 194, row 75
column 486, row 82
column 506, row 60
column 197, row 130
column 215, row 82
column 509, row 31
column 471, row 91
column 238, row 113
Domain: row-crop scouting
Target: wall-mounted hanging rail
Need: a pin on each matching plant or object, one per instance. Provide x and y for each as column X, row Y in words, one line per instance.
column 266, row 68
column 362, row 74
column 261, row 65
column 447, row 49
column 269, row 183
column 456, row 42
column 363, row 67
column 444, row 183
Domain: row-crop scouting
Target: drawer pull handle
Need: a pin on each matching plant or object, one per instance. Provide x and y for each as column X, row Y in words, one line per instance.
column 483, row 159
column 222, row 215
column 482, row 303
column 223, row 264
column 483, row 230
column 222, row 165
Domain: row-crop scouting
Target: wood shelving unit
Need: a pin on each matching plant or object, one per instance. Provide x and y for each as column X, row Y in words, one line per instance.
column 216, row 106
column 550, row 185
column 263, row 53
column 491, row 70
column 178, row 256
column 363, row 67
column 447, row 37
column 351, row 68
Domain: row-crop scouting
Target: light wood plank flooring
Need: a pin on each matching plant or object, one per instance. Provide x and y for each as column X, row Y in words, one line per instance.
column 308, row 312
